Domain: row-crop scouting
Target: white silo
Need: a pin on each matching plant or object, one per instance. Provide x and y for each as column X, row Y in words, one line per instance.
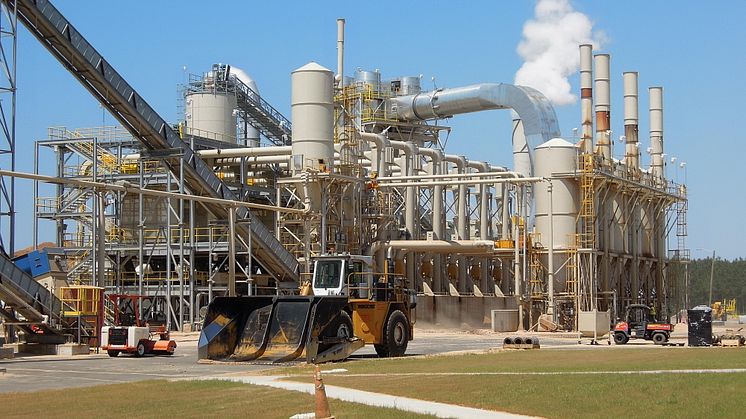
column 210, row 114
column 553, row 158
column 313, row 117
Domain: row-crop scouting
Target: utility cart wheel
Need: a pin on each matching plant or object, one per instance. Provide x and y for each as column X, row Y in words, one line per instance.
column 112, row 353
column 140, row 351
column 620, row 338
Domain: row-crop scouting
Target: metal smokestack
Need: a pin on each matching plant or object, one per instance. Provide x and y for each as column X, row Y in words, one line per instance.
column 340, row 52
column 586, row 97
column 603, row 107
column 631, row 156
column 656, row 133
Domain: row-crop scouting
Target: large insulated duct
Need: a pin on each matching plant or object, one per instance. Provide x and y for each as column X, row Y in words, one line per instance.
column 603, row 107
column 586, row 97
column 656, row 133
column 631, row 151
column 313, row 117
column 250, row 133
column 536, row 112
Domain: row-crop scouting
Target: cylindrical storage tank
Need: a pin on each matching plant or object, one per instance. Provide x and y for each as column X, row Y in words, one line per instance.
column 210, row 115
column 409, row 86
column 373, row 78
column 250, row 134
column 313, row 117
column 554, row 157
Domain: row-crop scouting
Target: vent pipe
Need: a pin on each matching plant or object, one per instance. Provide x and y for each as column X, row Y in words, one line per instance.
column 340, row 52
column 586, row 97
column 631, row 151
column 656, row 133
column 603, row 107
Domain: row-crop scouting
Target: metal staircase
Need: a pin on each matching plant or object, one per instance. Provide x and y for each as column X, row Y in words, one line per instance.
column 260, row 114
column 79, row 57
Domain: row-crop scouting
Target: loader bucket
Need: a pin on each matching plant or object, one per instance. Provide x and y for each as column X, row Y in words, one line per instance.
column 267, row 329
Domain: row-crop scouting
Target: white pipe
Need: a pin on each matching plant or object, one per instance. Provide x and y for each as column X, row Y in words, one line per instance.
column 462, row 182
column 476, row 176
column 631, row 159
column 586, row 96
column 656, row 133
column 245, row 152
column 411, row 152
column 461, row 247
column 603, row 107
column 340, row 52
column 381, row 142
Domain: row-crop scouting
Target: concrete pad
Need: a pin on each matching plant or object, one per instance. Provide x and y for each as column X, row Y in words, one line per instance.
column 71, row 349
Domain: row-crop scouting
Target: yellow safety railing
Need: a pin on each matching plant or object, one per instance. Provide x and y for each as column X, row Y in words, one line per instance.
column 81, row 300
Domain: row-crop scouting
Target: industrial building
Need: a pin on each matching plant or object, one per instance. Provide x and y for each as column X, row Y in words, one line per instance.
column 358, row 167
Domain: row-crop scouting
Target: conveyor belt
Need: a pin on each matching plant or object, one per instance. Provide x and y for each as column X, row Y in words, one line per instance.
column 63, row 41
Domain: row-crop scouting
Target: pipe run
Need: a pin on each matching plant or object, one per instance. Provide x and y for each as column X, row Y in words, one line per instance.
column 533, row 108
column 461, row 247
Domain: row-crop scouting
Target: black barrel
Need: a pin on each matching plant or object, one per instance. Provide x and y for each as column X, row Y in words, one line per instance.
column 700, row 327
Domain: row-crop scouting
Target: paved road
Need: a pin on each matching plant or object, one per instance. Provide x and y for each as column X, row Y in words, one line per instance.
column 32, row 373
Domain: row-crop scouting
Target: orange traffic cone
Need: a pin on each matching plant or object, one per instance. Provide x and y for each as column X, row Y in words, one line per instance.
column 322, row 404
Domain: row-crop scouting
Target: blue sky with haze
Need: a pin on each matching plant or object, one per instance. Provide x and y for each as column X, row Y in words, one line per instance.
column 694, row 49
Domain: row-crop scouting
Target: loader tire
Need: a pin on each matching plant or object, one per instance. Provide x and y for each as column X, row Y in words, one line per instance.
column 396, row 336
column 343, row 326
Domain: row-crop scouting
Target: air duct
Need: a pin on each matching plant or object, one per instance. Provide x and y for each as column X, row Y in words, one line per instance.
column 603, row 108
column 536, row 112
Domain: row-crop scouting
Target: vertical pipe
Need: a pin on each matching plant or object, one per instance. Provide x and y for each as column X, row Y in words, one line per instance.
column 586, row 96
column 169, row 253
column 181, row 243
column 438, row 227
column 603, row 108
column 101, row 254
column 631, row 158
column 550, row 256
column 140, row 233
column 232, row 252
column 340, row 52
column 36, row 198
column 656, row 133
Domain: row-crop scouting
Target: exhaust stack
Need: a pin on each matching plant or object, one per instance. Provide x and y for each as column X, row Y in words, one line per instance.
column 632, row 151
column 656, row 133
column 340, row 52
column 603, row 107
column 586, row 97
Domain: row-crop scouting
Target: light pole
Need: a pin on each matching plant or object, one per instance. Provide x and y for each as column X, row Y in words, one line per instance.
column 683, row 166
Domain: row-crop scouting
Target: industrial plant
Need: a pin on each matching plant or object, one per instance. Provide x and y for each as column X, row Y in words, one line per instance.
column 237, row 200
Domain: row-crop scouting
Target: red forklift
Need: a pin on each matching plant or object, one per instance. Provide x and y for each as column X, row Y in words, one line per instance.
column 640, row 323
column 131, row 334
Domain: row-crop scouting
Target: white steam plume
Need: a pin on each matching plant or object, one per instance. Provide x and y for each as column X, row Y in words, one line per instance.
column 549, row 49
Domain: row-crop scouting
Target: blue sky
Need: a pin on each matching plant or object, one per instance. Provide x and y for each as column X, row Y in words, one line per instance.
column 694, row 51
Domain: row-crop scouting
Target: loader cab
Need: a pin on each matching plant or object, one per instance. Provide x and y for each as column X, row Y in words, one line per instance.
column 337, row 274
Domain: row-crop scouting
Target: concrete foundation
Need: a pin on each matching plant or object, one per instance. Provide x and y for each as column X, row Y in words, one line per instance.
column 454, row 311
column 68, row 349
column 6, row 352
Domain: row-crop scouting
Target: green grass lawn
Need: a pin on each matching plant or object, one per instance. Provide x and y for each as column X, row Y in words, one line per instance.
column 179, row 399
column 562, row 396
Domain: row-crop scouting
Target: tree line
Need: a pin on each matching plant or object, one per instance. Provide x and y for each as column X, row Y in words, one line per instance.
column 729, row 281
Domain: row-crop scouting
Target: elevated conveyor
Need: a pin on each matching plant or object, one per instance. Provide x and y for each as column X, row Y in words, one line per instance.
column 260, row 114
column 79, row 57
column 31, row 300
